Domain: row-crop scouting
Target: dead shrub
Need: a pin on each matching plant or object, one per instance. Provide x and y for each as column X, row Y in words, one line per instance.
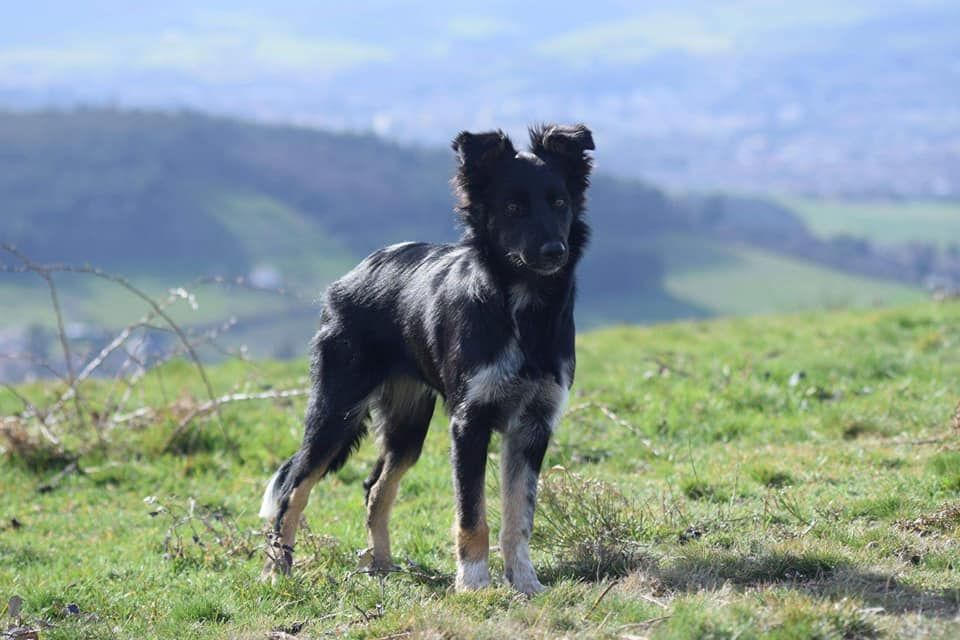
column 592, row 529
column 202, row 535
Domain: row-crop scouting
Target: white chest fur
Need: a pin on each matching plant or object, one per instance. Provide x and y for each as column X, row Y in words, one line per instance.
column 500, row 382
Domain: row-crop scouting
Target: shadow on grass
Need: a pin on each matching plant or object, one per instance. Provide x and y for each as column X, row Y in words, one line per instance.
column 598, row 563
column 426, row 575
column 814, row 574
column 818, row 575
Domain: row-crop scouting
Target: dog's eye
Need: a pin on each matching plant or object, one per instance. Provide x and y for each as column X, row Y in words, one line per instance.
column 559, row 203
column 513, row 208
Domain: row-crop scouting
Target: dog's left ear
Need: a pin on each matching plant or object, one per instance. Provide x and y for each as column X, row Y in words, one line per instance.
column 562, row 139
column 567, row 145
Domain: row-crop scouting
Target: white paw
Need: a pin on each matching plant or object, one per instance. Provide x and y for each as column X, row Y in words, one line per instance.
column 523, row 578
column 472, row 575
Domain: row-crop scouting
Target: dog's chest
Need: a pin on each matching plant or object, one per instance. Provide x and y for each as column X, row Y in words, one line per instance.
column 523, row 393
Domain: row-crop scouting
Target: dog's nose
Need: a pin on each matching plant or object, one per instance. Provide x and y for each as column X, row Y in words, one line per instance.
column 553, row 251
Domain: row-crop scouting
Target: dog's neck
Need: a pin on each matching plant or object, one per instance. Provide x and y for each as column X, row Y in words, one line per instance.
column 548, row 298
column 540, row 312
column 526, row 289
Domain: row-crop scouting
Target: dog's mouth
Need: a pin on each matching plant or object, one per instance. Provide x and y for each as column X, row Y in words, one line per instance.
column 547, row 270
column 542, row 268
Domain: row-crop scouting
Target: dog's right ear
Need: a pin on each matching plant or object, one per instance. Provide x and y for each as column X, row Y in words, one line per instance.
column 477, row 154
column 480, row 150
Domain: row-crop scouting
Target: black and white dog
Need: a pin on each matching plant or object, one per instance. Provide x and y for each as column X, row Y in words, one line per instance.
column 486, row 323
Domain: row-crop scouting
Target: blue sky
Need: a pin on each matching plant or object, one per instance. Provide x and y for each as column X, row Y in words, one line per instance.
column 61, row 42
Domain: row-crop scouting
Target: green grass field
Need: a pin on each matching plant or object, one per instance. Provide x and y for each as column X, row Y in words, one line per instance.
column 705, row 278
column 752, row 281
column 776, row 477
column 883, row 222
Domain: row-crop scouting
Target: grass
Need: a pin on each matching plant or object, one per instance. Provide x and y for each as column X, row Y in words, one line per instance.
column 745, row 280
column 704, row 278
column 775, row 477
column 881, row 221
column 270, row 232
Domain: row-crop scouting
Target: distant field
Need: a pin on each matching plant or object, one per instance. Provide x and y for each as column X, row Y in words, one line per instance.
column 781, row 477
column 90, row 301
column 266, row 324
column 706, row 278
column 271, row 232
column 745, row 281
column 882, row 222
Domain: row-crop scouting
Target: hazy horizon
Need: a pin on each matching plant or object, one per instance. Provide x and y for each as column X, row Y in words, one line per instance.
column 750, row 95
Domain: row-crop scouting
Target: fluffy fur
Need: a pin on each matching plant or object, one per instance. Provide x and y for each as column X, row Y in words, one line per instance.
column 485, row 323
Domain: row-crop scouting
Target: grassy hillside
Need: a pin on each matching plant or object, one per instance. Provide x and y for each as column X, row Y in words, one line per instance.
column 176, row 193
column 702, row 277
column 884, row 222
column 775, row 477
column 742, row 280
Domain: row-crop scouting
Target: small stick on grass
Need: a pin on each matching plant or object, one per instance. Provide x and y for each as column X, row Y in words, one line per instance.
column 602, row 595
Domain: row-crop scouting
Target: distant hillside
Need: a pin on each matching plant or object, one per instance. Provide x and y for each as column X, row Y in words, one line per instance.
column 162, row 197
column 151, row 191
column 156, row 191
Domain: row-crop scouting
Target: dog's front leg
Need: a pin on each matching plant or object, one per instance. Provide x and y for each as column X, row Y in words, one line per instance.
column 521, row 456
column 471, row 437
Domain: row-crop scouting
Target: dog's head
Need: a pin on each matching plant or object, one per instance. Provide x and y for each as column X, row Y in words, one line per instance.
column 526, row 207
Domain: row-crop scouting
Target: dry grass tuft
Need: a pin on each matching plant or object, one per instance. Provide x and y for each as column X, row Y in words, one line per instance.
column 589, row 525
column 946, row 518
column 28, row 446
column 202, row 535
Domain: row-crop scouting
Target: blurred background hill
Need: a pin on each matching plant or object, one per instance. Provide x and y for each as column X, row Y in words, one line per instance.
column 753, row 157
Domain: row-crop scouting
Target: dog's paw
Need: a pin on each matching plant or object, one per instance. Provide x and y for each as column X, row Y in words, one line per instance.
column 529, row 587
column 472, row 576
column 368, row 560
column 279, row 563
column 273, row 571
column 523, row 578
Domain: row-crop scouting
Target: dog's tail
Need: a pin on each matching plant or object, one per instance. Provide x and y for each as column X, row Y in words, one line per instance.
column 272, row 497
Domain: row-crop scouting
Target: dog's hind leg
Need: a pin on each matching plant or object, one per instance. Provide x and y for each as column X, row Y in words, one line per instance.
column 335, row 424
column 289, row 491
column 401, row 416
column 284, row 501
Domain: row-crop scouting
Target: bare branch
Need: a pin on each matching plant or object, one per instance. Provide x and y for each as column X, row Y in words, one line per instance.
column 123, row 282
column 209, row 406
column 243, row 283
column 44, row 273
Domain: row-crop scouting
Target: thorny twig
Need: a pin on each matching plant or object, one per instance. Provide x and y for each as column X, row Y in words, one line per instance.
column 44, row 431
column 616, row 419
column 45, row 272
column 211, row 405
column 128, row 373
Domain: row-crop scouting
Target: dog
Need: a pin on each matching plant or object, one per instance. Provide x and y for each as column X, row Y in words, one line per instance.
column 486, row 323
